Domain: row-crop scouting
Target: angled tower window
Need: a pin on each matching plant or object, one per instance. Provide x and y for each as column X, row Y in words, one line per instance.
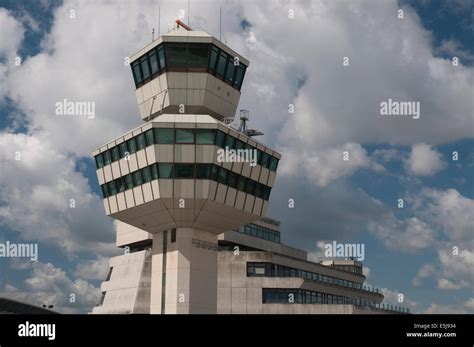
column 220, row 139
column 107, row 158
column 112, row 188
column 137, row 178
column 149, row 137
column 137, row 77
column 120, row 184
column 161, row 57
column 273, row 164
column 213, row 58
column 205, row 136
column 239, row 76
column 123, row 149
column 115, row 153
column 145, row 68
column 153, row 62
column 146, row 173
column 129, row 181
column 164, row 135
column 132, row 145
column 222, row 176
column 184, row 171
column 165, row 170
column 176, row 55
column 230, row 70
column 203, row 171
column 197, row 56
column 154, row 171
column 141, row 142
column 221, row 64
column 99, row 160
column 184, row 135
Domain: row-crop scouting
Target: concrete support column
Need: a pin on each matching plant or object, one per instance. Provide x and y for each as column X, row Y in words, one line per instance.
column 184, row 272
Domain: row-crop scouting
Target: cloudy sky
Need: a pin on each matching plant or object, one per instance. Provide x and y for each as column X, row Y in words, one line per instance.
column 424, row 250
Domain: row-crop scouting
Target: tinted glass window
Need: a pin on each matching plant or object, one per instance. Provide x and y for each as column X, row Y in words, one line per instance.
column 129, row 181
column 136, row 72
column 229, row 141
column 273, row 163
column 144, row 66
column 176, row 54
column 184, row 171
column 265, row 160
column 123, row 149
column 115, row 153
column 165, row 170
column 154, row 171
column 153, row 62
column 222, row 176
column 221, row 64
column 161, row 57
column 137, row 178
column 112, row 188
column 164, row 135
column 220, row 139
column 203, row 171
column 107, row 158
column 120, row 184
column 230, row 70
column 141, row 143
column 205, row 136
column 259, row 190
column 213, row 59
column 251, row 187
column 242, row 183
column 184, row 135
column 149, row 137
column 197, row 55
column 214, row 170
column 99, row 161
column 146, row 173
column 239, row 76
column 132, row 146
column 232, row 180
column 105, row 190
column 239, row 144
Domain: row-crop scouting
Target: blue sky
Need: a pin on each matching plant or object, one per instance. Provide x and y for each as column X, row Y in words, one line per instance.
column 337, row 109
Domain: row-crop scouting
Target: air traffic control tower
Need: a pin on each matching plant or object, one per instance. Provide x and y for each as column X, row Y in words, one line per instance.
column 164, row 185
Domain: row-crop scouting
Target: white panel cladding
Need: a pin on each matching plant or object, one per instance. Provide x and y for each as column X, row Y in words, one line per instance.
column 132, row 162
column 138, row 195
column 240, row 200
column 257, row 207
column 124, row 166
column 147, row 192
column 113, row 204
column 100, row 176
column 230, row 199
column 264, row 176
column 106, row 206
column 271, row 178
column 121, row 201
column 164, row 153
column 141, row 159
column 107, row 173
column 249, row 203
column 184, row 153
column 255, row 173
column 116, row 170
column 129, row 199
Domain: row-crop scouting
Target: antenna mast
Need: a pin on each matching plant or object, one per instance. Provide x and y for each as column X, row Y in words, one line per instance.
column 244, row 118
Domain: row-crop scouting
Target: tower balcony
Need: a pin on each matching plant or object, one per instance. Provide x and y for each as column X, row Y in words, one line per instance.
column 170, row 173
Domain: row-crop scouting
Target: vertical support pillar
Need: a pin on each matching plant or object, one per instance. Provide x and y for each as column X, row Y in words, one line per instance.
column 184, row 272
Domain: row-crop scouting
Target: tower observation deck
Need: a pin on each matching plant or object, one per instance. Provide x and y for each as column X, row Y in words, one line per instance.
column 165, row 177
